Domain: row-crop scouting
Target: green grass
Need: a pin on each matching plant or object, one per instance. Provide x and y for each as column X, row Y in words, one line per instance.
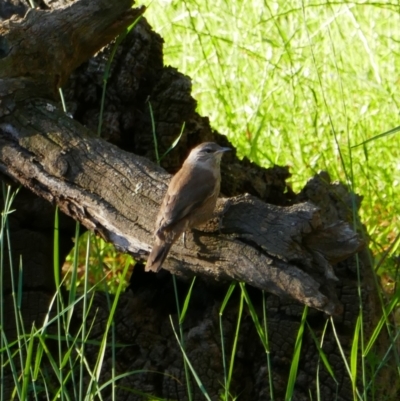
column 105, row 265
column 48, row 360
column 298, row 83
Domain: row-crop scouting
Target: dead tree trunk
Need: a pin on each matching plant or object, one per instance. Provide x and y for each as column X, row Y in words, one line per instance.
column 299, row 247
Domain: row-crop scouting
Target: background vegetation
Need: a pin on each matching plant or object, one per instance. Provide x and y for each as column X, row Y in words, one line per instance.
column 299, row 83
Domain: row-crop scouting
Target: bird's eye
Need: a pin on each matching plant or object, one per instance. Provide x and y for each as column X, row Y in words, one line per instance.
column 207, row 150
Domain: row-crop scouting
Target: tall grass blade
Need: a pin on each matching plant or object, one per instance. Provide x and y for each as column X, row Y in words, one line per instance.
column 382, row 321
column 176, row 141
column 296, row 357
column 354, row 355
column 195, row 375
column 321, row 353
column 254, row 316
column 271, row 384
column 228, row 294
column 74, row 275
column 112, row 382
column 7, row 347
column 85, row 311
column 153, row 126
column 56, row 255
column 58, row 296
column 186, row 303
column 38, row 360
column 26, row 372
column 343, row 355
column 231, row 288
column 63, row 104
column 182, row 342
column 235, row 342
column 379, row 136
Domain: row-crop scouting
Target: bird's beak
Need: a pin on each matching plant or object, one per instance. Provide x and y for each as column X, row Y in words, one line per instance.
column 223, row 150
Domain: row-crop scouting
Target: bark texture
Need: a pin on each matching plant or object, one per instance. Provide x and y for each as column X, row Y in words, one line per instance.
column 117, row 194
column 300, row 247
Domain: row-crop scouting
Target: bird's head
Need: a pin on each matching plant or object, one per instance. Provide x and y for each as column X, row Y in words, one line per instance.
column 208, row 154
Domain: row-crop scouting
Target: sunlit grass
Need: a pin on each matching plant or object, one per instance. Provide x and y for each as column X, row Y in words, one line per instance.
column 297, row 83
column 48, row 359
column 104, row 266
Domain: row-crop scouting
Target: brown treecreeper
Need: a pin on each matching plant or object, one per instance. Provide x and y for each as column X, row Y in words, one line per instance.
column 190, row 199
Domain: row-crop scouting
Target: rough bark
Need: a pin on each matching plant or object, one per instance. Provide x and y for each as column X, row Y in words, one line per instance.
column 117, row 195
column 288, row 246
column 30, row 69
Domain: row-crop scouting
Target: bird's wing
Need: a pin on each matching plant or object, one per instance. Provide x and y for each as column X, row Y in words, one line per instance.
column 187, row 191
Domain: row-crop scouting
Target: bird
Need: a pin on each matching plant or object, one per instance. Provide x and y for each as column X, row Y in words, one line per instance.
column 189, row 201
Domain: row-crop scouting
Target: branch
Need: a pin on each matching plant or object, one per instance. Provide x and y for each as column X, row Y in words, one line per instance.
column 39, row 52
column 117, row 194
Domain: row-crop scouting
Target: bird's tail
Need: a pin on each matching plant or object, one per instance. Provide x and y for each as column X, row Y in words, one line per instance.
column 157, row 255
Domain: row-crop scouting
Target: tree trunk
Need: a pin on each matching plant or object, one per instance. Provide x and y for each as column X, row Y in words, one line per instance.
column 298, row 248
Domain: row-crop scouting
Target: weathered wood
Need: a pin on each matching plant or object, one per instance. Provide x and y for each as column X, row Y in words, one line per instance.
column 117, row 194
column 29, row 68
